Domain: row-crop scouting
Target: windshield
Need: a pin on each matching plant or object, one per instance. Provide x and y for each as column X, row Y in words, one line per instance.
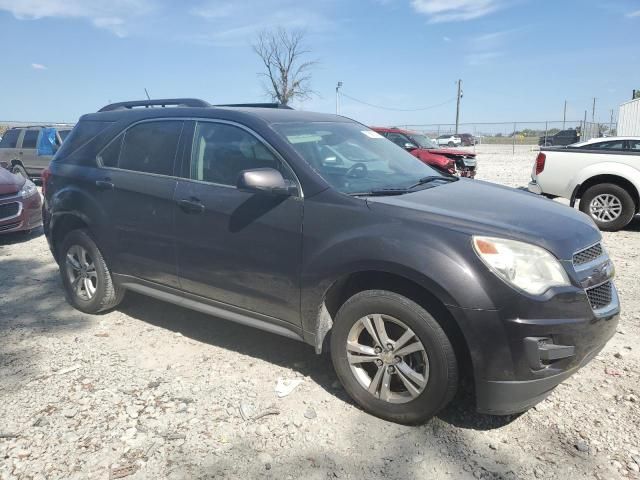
column 353, row 158
column 422, row 141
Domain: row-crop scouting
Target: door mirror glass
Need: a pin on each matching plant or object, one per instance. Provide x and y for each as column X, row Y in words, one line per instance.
column 410, row 146
column 265, row 180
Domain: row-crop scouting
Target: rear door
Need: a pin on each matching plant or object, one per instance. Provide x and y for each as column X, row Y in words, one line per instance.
column 238, row 248
column 28, row 152
column 136, row 189
column 9, row 150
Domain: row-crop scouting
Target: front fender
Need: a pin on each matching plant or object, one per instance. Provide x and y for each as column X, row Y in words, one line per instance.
column 427, row 261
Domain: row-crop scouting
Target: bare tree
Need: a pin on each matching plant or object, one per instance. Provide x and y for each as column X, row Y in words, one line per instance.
column 288, row 76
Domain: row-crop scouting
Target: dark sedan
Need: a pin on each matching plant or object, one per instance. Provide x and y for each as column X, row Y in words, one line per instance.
column 20, row 203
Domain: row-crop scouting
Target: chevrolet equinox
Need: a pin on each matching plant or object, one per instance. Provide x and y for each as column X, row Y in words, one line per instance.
column 316, row 228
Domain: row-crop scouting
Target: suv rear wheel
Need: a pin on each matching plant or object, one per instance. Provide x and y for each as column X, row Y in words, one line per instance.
column 85, row 275
column 609, row 205
column 392, row 357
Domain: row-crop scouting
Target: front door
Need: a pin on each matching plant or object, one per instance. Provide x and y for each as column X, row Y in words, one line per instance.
column 235, row 247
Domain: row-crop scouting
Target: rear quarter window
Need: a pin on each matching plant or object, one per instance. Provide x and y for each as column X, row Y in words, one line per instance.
column 82, row 133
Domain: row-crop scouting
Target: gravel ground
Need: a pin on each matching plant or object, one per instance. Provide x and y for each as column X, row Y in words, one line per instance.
column 151, row 390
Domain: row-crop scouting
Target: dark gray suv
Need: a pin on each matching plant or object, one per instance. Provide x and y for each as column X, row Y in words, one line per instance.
column 317, row 228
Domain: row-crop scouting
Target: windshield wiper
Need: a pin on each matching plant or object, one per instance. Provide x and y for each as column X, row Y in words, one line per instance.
column 382, row 192
column 433, row 178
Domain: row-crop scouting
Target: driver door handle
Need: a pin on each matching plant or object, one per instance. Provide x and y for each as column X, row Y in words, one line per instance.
column 191, row 205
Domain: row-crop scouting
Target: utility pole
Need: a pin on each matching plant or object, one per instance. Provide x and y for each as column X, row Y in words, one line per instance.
column 564, row 115
column 611, row 124
column 338, row 98
column 458, row 105
column 593, row 111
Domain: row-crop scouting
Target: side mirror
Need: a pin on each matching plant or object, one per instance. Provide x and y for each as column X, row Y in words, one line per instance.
column 410, row 146
column 265, row 180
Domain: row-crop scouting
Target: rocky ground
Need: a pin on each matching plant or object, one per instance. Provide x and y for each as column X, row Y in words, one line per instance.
column 151, row 390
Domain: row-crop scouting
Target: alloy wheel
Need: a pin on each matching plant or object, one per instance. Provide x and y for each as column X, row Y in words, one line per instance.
column 387, row 358
column 605, row 207
column 81, row 272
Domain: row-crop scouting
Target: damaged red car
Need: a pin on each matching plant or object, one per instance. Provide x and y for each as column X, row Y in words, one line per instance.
column 455, row 162
column 20, row 203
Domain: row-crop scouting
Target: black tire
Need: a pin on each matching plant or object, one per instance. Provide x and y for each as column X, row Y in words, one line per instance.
column 442, row 381
column 19, row 170
column 451, row 144
column 107, row 295
column 628, row 205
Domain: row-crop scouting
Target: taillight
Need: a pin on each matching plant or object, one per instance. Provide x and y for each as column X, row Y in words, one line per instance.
column 540, row 161
column 44, row 177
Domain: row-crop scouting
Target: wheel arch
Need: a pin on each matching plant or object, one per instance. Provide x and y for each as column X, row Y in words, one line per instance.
column 62, row 224
column 424, row 292
column 619, row 180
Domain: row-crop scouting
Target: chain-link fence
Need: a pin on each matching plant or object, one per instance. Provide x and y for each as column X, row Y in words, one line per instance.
column 517, row 133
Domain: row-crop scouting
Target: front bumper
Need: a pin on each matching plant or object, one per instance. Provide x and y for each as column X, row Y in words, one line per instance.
column 497, row 397
column 21, row 214
column 521, row 352
column 533, row 187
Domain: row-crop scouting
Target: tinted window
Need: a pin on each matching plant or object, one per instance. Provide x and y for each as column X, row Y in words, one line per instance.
column 110, row 155
column 634, row 144
column 611, row 145
column 151, row 147
column 10, row 139
column 220, row 152
column 81, row 134
column 30, row 138
column 63, row 134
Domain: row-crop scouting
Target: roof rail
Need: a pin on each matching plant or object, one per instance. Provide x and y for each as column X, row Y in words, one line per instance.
column 257, row 105
column 165, row 102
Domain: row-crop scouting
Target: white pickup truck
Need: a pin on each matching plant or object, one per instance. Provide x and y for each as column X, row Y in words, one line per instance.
column 603, row 173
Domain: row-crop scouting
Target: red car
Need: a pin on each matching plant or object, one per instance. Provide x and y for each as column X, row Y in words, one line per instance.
column 455, row 162
column 20, row 203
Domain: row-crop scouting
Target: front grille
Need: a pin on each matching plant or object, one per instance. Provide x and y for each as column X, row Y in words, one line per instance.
column 600, row 296
column 9, row 210
column 588, row 254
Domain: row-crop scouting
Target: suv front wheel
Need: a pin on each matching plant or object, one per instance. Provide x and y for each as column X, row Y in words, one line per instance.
column 85, row 275
column 392, row 357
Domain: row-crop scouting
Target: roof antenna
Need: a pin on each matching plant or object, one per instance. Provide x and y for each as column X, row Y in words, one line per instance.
column 147, row 94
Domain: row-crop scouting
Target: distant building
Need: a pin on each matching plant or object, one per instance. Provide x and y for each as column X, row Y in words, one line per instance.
column 629, row 118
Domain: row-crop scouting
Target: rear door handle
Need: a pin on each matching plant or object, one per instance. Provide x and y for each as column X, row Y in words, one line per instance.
column 192, row 205
column 105, row 184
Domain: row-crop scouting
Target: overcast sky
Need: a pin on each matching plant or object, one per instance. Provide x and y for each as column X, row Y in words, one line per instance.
column 518, row 59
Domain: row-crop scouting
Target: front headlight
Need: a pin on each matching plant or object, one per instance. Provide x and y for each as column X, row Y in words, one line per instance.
column 522, row 265
column 28, row 189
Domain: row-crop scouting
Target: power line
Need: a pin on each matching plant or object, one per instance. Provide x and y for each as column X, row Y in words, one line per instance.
column 397, row 109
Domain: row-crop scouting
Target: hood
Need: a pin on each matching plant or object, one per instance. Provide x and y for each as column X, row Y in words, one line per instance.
column 10, row 183
column 481, row 208
column 450, row 152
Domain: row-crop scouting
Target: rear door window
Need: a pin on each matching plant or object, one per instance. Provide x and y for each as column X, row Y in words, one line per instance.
column 10, row 139
column 151, row 147
column 30, row 138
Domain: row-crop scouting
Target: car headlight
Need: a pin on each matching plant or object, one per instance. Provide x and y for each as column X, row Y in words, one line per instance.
column 522, row 265
column 28, row 189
